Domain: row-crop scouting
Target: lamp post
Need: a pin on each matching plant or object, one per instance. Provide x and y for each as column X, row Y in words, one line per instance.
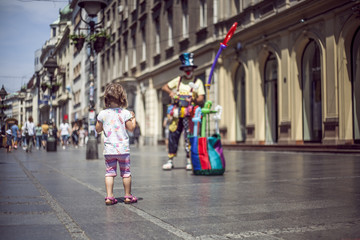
column 92, row 8
column 50, row 66
column 38, row 93
column 3, row 94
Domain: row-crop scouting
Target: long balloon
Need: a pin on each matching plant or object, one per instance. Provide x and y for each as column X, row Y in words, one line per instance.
column 223, row 45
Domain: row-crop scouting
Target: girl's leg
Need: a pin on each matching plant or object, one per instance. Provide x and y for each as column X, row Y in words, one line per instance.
column 111, row 165
column 127, row 185
column 109, row 184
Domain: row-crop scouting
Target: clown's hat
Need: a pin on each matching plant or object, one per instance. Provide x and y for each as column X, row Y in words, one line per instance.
column 187, row 60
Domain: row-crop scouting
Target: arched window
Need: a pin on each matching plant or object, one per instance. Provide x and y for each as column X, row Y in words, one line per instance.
column 239, row 95
column 271, row 100
column 355, row 65
column 311, row 91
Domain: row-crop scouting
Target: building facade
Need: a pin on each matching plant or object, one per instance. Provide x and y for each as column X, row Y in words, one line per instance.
column 289, row 75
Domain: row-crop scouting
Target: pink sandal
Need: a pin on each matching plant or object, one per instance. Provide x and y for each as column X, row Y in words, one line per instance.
column 130, row 199
column 112, row 201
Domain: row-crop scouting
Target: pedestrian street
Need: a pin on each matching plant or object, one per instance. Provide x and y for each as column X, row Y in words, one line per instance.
column 262, row 195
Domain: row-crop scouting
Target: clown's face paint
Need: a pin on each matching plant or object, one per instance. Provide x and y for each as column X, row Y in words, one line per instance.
column 188, row 72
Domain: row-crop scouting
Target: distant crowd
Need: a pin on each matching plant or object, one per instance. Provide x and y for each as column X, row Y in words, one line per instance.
column 27, row 135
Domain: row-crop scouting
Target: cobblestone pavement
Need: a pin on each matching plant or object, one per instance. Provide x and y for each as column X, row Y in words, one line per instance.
column 262, row 195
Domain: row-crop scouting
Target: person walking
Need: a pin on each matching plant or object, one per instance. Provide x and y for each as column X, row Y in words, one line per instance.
column 166, row 124
column 64, row 133
column 137, row 134
column 23, row 137
column 75, row 135
column 113, row 122
column 55, row 132
column 29, row 133
column 45, row 132
column 185, row 92
column 9, row 141
column 81, row 136
column 15, row 132
column 38, row 136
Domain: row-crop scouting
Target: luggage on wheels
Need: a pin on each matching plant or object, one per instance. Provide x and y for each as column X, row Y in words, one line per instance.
column 207, row 155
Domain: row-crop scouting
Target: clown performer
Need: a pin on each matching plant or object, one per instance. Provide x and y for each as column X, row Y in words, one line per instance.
column 185, row 92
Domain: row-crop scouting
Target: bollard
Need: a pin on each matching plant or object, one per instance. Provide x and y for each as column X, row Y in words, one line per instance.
column 51, row 144
column 92, row 148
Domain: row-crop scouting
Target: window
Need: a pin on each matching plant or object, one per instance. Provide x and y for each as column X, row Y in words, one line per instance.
column 133, row 51
column 77, row 70
column 143, row 47
column 170, row 28
column 157, row 36
column 54, row 32
column 203, row 14
column 126, row 60
column 119, row 57
column 77, row 98
column 185, row 19
column 215, row 9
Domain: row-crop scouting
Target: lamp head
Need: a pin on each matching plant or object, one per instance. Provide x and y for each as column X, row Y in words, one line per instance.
column 51, row 65
column 3, row 92
column 92, row 7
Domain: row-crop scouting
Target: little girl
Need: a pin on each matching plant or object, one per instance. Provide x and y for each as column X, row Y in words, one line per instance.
column 114, row 121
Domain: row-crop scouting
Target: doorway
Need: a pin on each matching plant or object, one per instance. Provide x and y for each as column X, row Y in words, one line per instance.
column 271, row 99
column 311, row 89
column 239, row 96
column 355, row 64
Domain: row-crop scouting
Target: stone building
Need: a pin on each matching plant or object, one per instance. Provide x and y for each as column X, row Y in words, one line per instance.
column 289, row 75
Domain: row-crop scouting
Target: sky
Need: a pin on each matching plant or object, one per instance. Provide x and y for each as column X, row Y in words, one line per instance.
column 24, row 28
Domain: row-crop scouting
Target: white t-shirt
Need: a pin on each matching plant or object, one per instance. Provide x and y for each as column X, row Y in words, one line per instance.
column 64, row 129
column 30, row 127
column 116, row 139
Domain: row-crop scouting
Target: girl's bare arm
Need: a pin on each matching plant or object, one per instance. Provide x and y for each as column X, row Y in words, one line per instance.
column 99, row 127
column 131, row 123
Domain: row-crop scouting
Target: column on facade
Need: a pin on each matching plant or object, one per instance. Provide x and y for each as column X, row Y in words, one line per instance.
column 330, row 81
column 284, row 91
column 152, row 116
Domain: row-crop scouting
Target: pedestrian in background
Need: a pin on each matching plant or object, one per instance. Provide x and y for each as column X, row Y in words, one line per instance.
column 45, row 132
column 23, row 138
column 114, row 121
column 15, row 132
column 81, row 136
column 137, row 134
column 38, row 136
column 75, row 135
column 29, row 133
column 166, row 124
column 64, row 132
column 55, row 132
column 9, row 141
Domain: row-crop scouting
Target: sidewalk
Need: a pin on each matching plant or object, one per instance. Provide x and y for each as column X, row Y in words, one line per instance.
column 308, row 147
column 262, row 195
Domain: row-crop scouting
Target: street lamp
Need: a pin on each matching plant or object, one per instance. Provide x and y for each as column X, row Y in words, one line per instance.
column 92, row 8
column 50, row 66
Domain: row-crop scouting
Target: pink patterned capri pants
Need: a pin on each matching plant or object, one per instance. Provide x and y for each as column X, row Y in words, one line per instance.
column 111, row 165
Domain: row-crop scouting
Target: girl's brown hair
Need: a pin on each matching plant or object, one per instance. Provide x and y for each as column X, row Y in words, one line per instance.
column 115, row 93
